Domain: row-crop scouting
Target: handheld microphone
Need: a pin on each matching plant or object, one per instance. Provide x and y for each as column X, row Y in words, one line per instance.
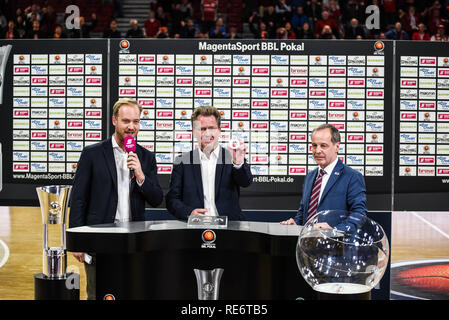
column 130, row 146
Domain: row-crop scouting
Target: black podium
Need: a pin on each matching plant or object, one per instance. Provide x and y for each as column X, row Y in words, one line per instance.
column 156, row 259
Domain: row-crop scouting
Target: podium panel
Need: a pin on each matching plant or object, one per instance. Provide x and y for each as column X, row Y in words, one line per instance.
column 157, row 259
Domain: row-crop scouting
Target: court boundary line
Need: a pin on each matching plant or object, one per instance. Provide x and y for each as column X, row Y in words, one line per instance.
column 5, row 258
column 434, row 227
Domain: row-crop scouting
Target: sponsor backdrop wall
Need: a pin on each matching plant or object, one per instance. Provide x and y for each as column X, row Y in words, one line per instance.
column 391, row 108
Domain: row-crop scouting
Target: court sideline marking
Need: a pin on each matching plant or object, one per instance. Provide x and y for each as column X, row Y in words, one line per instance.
column 434, row 227
column 6, row 250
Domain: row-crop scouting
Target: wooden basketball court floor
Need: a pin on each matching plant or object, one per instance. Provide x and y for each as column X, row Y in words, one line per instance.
column 415, row 235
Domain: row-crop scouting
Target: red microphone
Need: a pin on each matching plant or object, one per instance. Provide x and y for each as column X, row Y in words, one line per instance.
column 130, row 146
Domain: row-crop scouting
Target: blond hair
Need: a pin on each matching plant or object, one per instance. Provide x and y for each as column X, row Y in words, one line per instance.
column 124, row 101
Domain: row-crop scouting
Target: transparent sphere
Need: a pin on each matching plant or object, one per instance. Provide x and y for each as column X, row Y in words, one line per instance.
column 339, row 252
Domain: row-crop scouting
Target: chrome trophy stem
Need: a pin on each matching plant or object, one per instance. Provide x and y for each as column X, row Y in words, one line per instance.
column 54, row 201
column 208, row 282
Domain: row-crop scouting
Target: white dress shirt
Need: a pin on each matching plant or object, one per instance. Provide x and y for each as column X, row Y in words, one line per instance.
column 330, row 167
column 208, row 167
column 123, row 205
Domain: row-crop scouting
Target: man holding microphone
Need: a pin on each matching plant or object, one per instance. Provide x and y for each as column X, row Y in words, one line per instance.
column 112, row 185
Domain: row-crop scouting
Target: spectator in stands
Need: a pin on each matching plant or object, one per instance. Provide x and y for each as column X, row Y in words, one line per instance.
column 11, row 31
column 29, row 21
column 397, row 33
column 440, row 35
column 3, row 21
column 189, row 29
column 289, row 30
column 354, row 29
column 305, row 32
column 411, row 20
column 326, row 20
column 32, row 12
column 263, row 6
column 334, row 10
column 112, row 31
column 208, row 14
column 283, row 11
column 176, row 16
column 134, row 30
column 249, row 6
column 162, row 15
column 297, row 3
column 434, row 18
column 59, row 33
column 299, row 18
column 352, row 9
column 84, row 27
column 233, row 34
column 20, row 13
column 186, row 8
column 253, row 23
column 36, row 32
column 421, row 34
column 151, row 25
column 261, row 31
column 313, row 10
column 390, row 11
column 219, row 30
column 271, row 19
column 285, row 32
column 163, row 33
column 48, row 20
column 20, row 26
column 326, row 33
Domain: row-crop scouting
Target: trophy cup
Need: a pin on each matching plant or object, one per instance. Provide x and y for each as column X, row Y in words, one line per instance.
column 208, row 282
column 54, row 282
column 4, row 54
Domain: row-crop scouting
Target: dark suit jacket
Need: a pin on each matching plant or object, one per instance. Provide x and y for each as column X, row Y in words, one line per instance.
column 345, row 190
column 94, row 193
column 186, row 186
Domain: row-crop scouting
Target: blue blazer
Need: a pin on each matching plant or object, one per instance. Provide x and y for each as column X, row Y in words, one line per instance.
column 186, row 187
column 94, row 194
column 345, row 190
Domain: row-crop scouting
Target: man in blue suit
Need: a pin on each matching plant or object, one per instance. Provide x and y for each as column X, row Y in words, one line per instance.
column 331, row 186
column 207, row 180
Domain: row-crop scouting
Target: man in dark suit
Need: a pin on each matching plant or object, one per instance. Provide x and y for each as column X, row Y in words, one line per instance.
column 207, row 180
column 331, row 186
column 104, row 189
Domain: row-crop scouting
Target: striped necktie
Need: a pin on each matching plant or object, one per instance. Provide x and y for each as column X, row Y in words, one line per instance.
column 313, row 202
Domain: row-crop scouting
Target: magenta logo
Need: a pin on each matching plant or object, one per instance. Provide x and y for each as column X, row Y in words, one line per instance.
column 164, row 169
column 146, row 59
column 130, row 144
column 258, row 70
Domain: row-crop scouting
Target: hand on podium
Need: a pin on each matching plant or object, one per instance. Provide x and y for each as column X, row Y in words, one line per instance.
column 79, row 256
column 198, row 212
column 289, row 221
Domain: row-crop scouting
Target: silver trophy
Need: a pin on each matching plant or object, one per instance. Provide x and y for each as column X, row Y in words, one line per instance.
column 54, row 201
column 4, row 54
column 208, row 282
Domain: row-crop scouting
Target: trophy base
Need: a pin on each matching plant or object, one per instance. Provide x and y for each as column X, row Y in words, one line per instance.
column 337, row 296
column 342, row 291
column 57, row 289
